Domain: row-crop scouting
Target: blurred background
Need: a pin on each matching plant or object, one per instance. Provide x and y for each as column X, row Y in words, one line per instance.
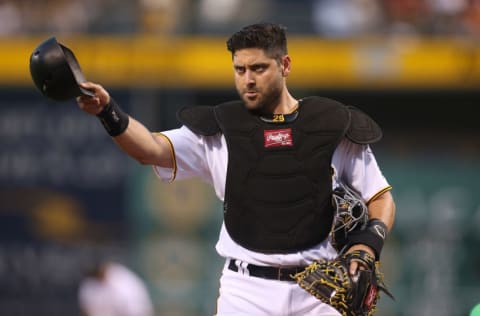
column 68, row 195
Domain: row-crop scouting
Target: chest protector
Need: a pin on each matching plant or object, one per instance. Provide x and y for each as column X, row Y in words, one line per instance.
column 279, row 177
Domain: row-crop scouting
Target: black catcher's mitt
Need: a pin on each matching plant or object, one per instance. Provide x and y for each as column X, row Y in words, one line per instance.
column 330, row 282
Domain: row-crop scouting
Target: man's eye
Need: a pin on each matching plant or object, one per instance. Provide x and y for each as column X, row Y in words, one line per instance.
column 240, row 70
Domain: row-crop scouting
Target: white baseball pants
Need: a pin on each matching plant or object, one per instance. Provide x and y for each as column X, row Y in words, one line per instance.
column 244, row 295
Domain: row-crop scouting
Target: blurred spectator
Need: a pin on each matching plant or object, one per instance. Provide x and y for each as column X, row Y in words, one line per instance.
column 222, row 16
column 218, row 11
column 164, row 16
column 10, row 19
column 445, row 16
column 295, row 15
column 346, row 18
column 328, row 18
column 471, row 18
column 406, row 17
column 68, row 16
column 112, row 16
column 53, row 16
column 111, row 289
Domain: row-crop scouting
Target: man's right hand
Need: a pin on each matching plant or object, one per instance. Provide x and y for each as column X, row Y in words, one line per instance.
column 93, row 105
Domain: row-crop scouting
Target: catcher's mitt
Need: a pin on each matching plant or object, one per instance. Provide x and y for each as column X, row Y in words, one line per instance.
column 330, row 282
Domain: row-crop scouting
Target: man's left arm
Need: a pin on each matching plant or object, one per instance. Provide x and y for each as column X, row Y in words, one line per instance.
column 382, row 208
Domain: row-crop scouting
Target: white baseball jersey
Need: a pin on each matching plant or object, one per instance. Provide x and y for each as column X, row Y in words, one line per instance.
column 207, row 157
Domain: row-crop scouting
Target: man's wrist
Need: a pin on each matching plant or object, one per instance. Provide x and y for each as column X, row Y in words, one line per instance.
column 362, row 247
column 373, row 236
column 113, row 118
column 104, row 106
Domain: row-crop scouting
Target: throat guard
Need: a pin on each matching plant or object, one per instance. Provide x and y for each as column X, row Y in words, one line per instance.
column 278, row 194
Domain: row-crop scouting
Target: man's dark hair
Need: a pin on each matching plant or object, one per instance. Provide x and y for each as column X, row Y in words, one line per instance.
column 267, row 36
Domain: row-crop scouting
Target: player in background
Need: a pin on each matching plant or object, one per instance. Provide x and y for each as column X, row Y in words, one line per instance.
column 111, row 289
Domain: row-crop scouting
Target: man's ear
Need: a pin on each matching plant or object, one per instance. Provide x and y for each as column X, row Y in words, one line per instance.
column 286, row 65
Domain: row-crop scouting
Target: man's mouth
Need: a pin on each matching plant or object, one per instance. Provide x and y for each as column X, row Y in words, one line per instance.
column 251, row 94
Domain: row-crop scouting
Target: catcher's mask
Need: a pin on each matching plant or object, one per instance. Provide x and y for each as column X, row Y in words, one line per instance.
column 351, row 211
column 56, row 72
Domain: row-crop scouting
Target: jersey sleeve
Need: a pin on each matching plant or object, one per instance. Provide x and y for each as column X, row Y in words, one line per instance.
column 356, row 166
column 188, row 154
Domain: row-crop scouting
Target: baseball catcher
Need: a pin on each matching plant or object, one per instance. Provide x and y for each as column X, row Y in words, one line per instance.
column 269, row 157
column 330, row 280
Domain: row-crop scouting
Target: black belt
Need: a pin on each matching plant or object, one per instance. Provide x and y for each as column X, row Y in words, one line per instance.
column 271, row 273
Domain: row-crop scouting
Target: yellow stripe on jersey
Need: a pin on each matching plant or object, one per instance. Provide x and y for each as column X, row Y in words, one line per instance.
column 172, row 155
column 376, row 195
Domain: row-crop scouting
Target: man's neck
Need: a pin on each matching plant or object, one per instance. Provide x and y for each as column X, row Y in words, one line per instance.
column 286, row 105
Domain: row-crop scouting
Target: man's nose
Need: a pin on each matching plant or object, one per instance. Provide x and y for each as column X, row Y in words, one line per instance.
column 250, row 77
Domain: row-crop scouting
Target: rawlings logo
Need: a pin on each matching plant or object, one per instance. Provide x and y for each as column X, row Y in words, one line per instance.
column 278, row 137
column 370, row 297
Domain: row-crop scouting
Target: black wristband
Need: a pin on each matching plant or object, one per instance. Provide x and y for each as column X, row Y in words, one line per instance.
column 373, row 235
column 113, row 119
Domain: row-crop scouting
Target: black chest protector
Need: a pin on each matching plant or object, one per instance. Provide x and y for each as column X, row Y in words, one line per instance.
column 279, row 177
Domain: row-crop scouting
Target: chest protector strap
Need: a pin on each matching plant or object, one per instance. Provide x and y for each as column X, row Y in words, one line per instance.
column 278, row 186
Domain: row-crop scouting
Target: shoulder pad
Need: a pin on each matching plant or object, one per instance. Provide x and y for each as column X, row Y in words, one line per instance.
column 199, row 119
column 234, row 116
column 363, row 129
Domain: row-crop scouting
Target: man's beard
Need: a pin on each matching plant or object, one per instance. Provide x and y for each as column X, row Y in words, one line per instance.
column 265, row 101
